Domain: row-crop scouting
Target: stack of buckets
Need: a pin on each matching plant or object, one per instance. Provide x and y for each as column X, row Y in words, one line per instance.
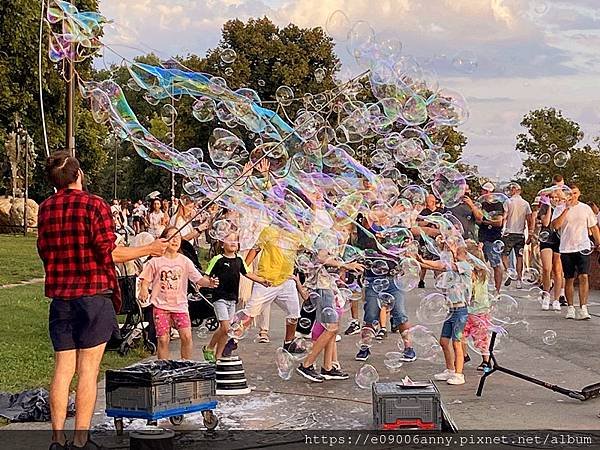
column 230, row 377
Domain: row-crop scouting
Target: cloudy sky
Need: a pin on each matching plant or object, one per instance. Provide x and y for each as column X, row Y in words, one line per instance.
column 505, row 56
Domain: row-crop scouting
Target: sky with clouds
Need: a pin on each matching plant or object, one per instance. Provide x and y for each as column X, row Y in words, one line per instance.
column 505, row 56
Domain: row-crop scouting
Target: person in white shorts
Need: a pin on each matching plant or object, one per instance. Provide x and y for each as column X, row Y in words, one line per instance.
column 278, row 249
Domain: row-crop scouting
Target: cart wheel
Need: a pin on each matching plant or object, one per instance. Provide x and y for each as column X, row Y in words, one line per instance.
column 212, row 324
column 152, row 423
column 210, row 420
column 176, row 420
column 119, row 425
column 150, row 347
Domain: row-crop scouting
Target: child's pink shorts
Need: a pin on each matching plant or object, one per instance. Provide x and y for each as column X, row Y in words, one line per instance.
column 477, row 328
column 163, row 320
column 318, row 328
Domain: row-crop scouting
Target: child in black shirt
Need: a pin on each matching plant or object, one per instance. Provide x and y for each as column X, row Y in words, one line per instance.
column 227, row 267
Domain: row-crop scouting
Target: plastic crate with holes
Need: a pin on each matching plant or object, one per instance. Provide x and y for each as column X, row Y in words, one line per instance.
column 400, row 406
column 161, row 389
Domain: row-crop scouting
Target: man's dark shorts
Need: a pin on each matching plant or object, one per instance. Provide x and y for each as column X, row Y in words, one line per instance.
column 513, row 241
column 575, row 263
column 81, row 323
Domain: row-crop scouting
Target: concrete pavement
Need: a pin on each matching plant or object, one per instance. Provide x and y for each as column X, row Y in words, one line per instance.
column 507, row 403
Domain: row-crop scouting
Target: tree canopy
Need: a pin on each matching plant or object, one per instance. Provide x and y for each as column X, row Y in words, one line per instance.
column 550, row 144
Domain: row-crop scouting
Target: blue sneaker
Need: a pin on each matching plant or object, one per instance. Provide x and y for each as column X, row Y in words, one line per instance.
column 363, row 354
column 229, row 348
column 408, row 355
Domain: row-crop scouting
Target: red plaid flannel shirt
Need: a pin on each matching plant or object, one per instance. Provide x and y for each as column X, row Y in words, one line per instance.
column 75, row 240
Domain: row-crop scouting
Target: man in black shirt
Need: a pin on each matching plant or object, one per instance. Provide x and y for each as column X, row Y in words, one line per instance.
column 490, row 231
column 431, row 207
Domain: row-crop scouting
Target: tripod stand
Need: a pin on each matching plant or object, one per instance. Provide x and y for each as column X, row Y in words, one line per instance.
column 588, row 392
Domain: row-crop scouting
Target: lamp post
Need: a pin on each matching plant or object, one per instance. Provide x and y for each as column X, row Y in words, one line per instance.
column 172, row 145
column 28, row 148
column 70, row 135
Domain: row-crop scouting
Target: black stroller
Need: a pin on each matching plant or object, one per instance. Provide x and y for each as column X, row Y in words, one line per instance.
column 138, row 323
column 199, row 301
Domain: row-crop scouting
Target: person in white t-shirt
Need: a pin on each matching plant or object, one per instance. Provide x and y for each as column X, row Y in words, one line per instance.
column 575, row 221
column 518, row 218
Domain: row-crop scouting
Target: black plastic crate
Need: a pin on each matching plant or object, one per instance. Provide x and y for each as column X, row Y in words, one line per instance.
column 160, row 386
column 396, row 406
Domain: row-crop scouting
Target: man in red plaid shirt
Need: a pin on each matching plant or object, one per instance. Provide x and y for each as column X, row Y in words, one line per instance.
column 76, row 242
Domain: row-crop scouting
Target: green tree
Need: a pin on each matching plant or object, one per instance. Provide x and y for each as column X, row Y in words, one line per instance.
column 266, row 57
column 548, row 132
column 19, row 91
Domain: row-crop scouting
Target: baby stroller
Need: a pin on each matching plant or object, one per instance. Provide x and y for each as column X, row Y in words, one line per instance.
column 138, row 324
column 199, row 301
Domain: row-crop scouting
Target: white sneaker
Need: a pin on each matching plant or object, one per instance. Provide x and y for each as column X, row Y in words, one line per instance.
column 570, row 312
column 338, row 338
column 519, row 285
column 545, row 304
column 445, row 375
column 457, row 378
column 584, row 314
column 555, row 305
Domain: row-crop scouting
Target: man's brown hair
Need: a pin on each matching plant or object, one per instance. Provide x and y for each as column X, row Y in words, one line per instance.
column 62, row 168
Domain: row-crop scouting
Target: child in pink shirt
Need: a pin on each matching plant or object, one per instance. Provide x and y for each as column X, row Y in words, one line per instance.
column 168, row 277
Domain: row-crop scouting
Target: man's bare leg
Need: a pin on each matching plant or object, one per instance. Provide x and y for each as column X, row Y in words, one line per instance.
column 64, row 369
column 88, row 364
column 584, row 289
column 569, row 290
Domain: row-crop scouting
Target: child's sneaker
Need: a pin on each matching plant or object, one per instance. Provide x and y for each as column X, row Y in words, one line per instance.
column 467, row 358
column 583, row 313
column 556, row 305
column 309, row 373
column 353, row 328
column 209, row 355
column 334, row 374
column 381, row 334
column 363, row 354
column 338, row 338
column 519, row 286
column 457, row 378
column 445, row 375
column 293, row 347
column 563, row 301
column 545, row 304
column 570, row 312
column 230, row 347
column 408, row 355
column 484, row 367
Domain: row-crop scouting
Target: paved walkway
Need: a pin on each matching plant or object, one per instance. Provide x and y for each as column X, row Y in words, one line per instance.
column 22, row 283
column 507, row 403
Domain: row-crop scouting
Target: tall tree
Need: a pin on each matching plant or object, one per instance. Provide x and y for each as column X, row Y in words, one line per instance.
column 266, row 57
column 548, row 137
column 19, row 90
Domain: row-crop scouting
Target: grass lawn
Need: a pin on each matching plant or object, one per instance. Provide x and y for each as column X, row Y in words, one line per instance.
column 19, row 260
column 26, row 357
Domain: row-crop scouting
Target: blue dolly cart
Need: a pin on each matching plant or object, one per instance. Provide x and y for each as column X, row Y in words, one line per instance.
column 162, row 389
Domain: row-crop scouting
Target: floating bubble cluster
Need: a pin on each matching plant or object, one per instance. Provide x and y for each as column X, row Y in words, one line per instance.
column 320, row 166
